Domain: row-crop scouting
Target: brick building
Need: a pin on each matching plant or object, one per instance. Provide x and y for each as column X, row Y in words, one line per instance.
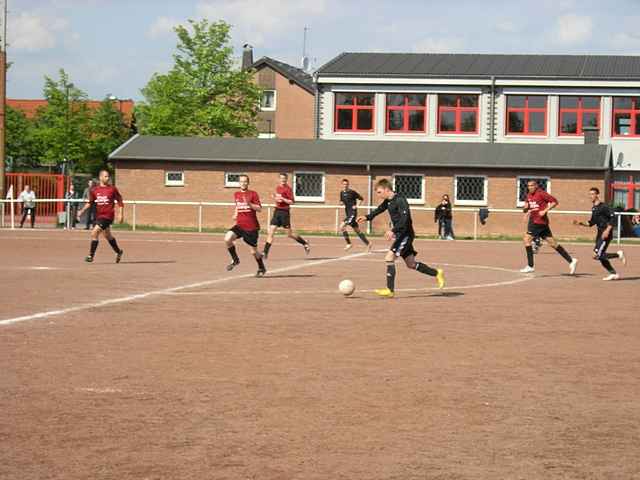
column 494, row 175
column 287, row 107
column 30, row 107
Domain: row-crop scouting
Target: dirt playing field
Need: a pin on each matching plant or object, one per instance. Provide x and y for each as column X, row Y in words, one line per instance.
column 168, row 367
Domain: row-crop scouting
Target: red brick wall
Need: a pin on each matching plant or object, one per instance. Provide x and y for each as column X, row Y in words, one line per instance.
column 205, row 182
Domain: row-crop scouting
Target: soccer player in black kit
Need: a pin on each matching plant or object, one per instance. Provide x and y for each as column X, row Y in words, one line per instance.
column 351, row 201
column 603, row 218
column 401, row 234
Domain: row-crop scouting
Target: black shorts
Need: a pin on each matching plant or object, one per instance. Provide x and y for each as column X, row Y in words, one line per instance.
column 250, row 237
column 539, row 231
column 403, row 246
column 600, row 249
column 351, row 221
column 104, row 223
column 281, row 218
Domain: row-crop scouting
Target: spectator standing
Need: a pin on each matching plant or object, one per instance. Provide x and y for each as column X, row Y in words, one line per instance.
column 91, row 213
column 28, row 199
column 72, row 207
column 444, row 218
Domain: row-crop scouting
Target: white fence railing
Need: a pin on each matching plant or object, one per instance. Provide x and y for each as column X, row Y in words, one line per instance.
column 9, row 209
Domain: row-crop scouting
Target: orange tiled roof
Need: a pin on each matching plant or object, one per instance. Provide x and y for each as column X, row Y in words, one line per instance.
column 30, row 107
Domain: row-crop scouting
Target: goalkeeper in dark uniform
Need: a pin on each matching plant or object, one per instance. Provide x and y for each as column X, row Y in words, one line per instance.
column 402, row 235
column 351, row 201
column 603, row 218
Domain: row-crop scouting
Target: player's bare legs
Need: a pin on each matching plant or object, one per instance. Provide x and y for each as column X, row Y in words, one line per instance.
column 297, row 238
column 258, row 256
column 229, row 240
column 358, row 232
column 271, row 232
column 573, row 262
column 425, row 269
column 95, row 240
column 114, row 244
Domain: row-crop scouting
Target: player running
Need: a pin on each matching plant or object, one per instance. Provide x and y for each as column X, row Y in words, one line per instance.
column 104, row 198
column 401, row 234
column 603, row 218
column 246, row 227
column 282, row 216
column 351, row 201
column 537, row 205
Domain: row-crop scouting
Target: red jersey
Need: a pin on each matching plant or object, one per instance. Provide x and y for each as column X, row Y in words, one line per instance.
column 247, row 217
column 105, row 198
column 285, row 192
column 536, row 202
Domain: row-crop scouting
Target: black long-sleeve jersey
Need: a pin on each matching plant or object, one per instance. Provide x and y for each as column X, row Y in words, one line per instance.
column 349, row 199
column 399, row 212
column 602, row 216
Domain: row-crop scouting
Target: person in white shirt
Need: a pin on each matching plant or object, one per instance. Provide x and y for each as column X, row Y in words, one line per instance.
column 28, row 199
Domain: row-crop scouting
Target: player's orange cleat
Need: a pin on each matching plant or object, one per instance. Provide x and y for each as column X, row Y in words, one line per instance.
column 385, row 292
column 440, row 279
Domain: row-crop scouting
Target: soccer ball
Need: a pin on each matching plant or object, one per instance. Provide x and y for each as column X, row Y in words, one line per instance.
column 346, row 287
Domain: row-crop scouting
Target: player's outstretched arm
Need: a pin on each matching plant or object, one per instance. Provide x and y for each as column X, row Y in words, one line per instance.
column 380, row 209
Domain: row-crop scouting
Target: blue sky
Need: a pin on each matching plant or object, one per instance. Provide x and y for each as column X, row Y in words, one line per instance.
column 114, row 46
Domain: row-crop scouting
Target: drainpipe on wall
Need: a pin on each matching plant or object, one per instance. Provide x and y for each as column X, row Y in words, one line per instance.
column 492, row 112
column 369, row 195
column 316, row 108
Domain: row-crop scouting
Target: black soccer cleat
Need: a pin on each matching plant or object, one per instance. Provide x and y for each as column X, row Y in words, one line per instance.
column 265, row 255
column 232, row 265
column 119, row 256
column 261, row 272
column 88, row 259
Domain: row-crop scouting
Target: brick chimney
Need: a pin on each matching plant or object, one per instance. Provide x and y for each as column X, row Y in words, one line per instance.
column 247, row 56
column 591, row 135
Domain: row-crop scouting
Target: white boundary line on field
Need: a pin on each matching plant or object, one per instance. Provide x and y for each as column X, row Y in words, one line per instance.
column 522, row 278
column 165, row 291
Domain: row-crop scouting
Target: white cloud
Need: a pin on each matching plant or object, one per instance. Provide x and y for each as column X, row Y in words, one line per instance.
column 33, row 32
column 572, row 29
column 439, row 45
column 258, row 21
column 162, row 26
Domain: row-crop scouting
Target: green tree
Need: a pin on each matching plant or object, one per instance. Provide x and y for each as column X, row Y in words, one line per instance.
column 22, row 148
column 107, row 131
column 62, row 127
column 204, row 94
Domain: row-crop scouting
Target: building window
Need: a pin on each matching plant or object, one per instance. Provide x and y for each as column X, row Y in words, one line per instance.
column 309, row 186
column 577, row 113
column 543, row 182
column 470, row 190
column 626, row 116
column 626, row 190
column 410, row 186
column 232, row 180
column 458, row 114
column 268, row 102
column 354, row 112
column 406, row 112
column 526, row 115
column 174, row 179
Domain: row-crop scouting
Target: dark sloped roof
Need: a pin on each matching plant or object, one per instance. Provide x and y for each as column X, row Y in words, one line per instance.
column 294, row 74
column 603, row 67
column 364, row 152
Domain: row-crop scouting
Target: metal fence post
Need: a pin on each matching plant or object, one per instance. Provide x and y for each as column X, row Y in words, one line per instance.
column 2, row 224
column 337, row 220
column 268, row 215
column 133, row 225
column 475, row 224
column 200, row 218
column 12, row 210
column 619, row 232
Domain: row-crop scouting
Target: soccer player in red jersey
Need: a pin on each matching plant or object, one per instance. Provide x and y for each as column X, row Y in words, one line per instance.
column 104, row 197
column 537, row 205
column 282, row 216
column 247, row 227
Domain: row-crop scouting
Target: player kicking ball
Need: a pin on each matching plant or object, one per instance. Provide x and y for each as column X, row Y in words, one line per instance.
column 246, row 227
column 351, row 201
column 402, row 236
column 282, row 216
column 603, row 218
column 104, row 197
column 537, row 205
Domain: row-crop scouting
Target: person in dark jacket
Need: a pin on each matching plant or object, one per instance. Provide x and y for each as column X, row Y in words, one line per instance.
column 444, row 218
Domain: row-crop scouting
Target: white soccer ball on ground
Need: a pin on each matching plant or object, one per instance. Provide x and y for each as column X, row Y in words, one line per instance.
column 346, row 287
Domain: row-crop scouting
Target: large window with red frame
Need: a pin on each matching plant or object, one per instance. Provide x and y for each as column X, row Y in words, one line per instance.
column 625, row 190
column 354, row 112
column 626, row 116
column 577, row 113
column 458, row 114
column 406, row 112
column 526, row 115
